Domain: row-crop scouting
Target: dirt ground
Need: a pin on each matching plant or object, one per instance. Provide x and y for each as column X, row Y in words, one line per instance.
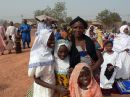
column 14, row 81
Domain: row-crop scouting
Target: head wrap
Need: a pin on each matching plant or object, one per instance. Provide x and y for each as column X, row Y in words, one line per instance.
column 61, row 65
column 122, row 28
column 40, row 54
column 75, row 91
column 78, row 19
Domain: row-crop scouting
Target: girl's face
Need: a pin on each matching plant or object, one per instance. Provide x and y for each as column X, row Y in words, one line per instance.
column 84, row 78
column 78, row 29
column 51, row 41
column 126, row 30
column 108, row 47
column 63, row 52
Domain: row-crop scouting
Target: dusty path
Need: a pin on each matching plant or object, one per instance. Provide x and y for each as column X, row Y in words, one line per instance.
column 14, row 81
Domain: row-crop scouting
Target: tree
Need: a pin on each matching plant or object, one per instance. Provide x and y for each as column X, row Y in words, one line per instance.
column 108, row 18
column 58, row 12
column 68, row 20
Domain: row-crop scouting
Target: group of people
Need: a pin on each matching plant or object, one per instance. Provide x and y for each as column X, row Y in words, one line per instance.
column 80, row 64
column 10, row 37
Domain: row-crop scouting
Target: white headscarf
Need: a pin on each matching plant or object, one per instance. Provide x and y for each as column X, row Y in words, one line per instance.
column 88, row 30
column 61, row 65
column 40, row 54
column 122, row 41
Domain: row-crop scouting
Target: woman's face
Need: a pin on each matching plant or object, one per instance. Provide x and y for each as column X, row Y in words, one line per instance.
column 78, row 29
column 51, row 41
column 84, row 78
column 63, row 52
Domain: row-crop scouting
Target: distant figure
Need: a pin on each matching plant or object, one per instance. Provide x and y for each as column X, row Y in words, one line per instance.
column 10, row 44
column 18, row 44
column 25, row 29
column 2, row 36
column 57, row 34
column 64, row 33
column 11, row 31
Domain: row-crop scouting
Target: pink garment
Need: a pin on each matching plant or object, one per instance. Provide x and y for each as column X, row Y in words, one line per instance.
column 75, row 91
column 2, row 35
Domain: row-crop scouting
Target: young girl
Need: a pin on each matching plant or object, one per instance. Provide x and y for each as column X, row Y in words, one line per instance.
column 40, row 64
column 10, row 44
column 108, row 68
column 82, row 82
column 62, row 48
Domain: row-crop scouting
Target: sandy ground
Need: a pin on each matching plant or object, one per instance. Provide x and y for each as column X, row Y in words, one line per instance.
column 14, row 81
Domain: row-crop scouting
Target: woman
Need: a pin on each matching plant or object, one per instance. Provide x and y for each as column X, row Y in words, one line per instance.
column 91, row 33
column 2, row 43
column 121, row 45
column 82, row 82
column 83, row 48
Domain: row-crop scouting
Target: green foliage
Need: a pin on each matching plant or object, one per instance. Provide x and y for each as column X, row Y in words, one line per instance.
column 68, row 20
column 58, row 12
column 108, row 18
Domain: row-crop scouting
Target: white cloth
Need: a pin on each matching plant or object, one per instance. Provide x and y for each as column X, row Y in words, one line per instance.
column 122, row 42
column 41, row 64
column 11, row 31
column 61, row 66
column 124, row 71
column 40, row 26
column 108, row 58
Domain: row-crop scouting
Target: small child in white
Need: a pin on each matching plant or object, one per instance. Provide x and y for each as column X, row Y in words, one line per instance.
column 108, row 69
column 10, row 44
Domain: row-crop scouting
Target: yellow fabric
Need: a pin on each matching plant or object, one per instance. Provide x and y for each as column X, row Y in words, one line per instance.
column 99, row 37
column 61, row 79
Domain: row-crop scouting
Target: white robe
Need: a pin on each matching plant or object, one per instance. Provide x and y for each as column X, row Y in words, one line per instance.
column 41, row 64
column 108, row 58
column 11, row 31
column 122, row 42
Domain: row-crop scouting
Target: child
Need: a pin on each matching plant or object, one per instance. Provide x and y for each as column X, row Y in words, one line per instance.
column 108, row 68
column 62, row 48
column 40, row 64
column 10, row 44
column 82, row 82
column 18, row 48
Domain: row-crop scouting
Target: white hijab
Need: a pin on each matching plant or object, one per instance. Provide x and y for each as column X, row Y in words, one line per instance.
column 122, row 41
column 40, row 54
column 61, row 65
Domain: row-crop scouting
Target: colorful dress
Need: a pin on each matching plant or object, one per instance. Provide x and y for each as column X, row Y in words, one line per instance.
column 2, row 35
column 84, row 57
column 61, row 66
column 10, row 45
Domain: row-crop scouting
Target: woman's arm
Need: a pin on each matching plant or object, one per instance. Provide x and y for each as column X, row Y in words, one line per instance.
column 98, row 63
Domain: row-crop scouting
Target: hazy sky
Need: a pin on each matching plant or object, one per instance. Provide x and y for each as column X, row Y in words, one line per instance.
column 88, row 9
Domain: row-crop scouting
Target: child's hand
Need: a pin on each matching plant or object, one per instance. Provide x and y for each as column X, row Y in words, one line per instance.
column 69, row 72
column 110, row 67
column 62, row 90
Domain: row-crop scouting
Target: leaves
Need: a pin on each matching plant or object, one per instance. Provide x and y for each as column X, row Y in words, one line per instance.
column 108, row 18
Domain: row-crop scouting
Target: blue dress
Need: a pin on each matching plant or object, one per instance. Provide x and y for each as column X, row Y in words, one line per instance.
column 25, row 29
